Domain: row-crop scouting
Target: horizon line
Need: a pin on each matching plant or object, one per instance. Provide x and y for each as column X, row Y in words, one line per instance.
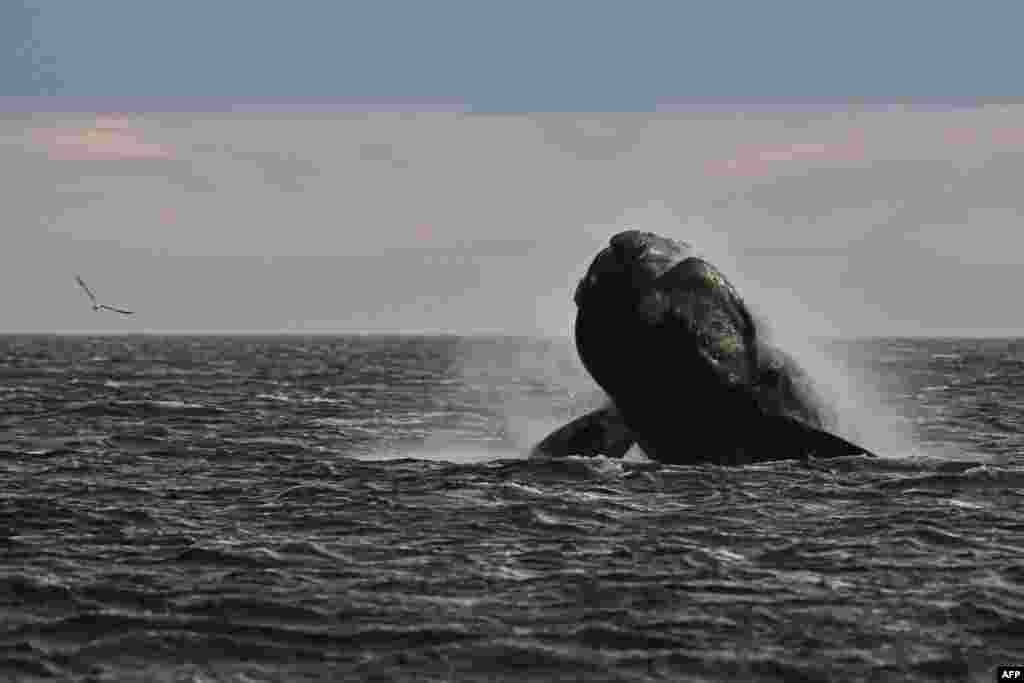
column 939, row 334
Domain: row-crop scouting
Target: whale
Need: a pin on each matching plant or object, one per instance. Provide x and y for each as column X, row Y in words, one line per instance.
column 691, row 375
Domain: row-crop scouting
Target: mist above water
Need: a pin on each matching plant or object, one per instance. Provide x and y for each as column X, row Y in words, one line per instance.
column 864, row 415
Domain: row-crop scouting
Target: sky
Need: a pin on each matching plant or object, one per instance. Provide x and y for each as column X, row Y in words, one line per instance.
column 453, row 166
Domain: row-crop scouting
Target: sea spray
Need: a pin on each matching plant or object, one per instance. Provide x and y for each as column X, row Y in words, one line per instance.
column 498, row 372
column 863, row 413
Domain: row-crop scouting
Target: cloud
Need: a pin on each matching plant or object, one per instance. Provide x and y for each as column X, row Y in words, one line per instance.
column 106, row 139
column 932, row 135
column 603, row 137
column 761, row 159
column 494, row 218
column 998, row 137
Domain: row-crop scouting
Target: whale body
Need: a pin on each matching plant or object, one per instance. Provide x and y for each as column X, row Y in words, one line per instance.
column 691, row 375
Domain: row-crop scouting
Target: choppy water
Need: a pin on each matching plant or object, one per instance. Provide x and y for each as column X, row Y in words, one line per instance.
column 358, row 509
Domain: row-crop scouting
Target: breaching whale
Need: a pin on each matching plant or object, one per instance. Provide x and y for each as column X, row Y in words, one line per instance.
column 690, row 373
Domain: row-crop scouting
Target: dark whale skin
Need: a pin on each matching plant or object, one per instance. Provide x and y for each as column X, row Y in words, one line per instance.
column 600, row 432
column 689, row 372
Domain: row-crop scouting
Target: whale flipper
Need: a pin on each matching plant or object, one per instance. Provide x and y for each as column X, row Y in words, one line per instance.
column 600, row 432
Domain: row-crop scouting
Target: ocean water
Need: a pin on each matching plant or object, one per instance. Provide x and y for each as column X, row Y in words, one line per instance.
column 344, row 509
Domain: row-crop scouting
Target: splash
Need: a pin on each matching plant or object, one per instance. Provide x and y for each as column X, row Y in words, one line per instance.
column 531, row 386
column 440, row 449
column 864, row 415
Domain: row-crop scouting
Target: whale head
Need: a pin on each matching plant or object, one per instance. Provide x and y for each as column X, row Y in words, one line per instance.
column 630, row 263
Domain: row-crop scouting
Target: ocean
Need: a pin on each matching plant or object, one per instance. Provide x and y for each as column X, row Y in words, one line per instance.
column 362, row 509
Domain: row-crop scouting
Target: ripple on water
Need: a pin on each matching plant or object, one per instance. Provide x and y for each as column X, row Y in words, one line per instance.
column 355, row 510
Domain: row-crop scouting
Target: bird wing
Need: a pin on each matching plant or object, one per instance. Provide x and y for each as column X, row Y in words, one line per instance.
column 81, row 283
column 116, row 310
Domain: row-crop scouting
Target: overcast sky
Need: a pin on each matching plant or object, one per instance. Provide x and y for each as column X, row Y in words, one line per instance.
column 407, row 166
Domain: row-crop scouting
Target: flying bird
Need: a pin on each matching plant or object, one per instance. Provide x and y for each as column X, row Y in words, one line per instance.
column 97, row 306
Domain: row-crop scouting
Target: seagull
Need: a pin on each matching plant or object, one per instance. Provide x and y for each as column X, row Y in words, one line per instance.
column 96, row 306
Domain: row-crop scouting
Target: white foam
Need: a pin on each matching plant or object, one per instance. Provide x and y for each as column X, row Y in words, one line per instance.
column 459, row 454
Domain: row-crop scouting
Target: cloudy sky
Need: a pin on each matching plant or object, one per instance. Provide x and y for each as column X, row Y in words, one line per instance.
column 333, row 167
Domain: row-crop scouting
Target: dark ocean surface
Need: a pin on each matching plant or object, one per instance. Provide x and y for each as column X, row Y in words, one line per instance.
column 255, row 509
